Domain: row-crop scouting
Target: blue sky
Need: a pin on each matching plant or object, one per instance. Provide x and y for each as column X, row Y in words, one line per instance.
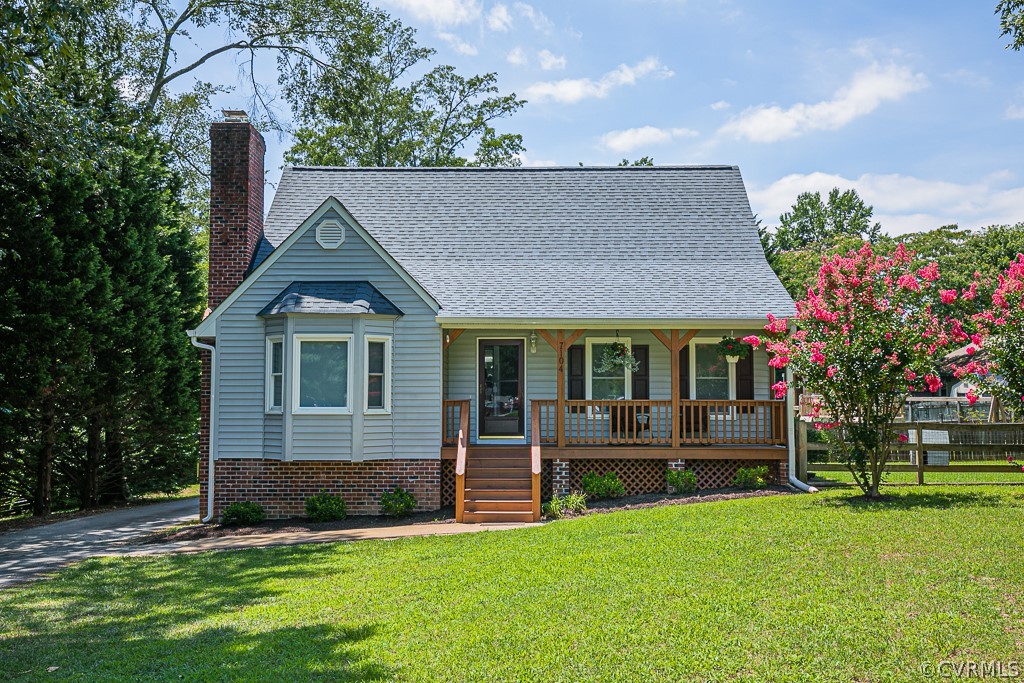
column 917, row 105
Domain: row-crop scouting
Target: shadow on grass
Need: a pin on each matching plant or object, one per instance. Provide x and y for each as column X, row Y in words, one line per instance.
column 178, row 618
column 910, row 500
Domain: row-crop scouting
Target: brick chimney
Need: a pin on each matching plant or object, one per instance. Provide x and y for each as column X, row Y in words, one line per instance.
column 236, row 201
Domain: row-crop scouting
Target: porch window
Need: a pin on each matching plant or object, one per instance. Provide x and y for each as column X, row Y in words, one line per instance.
column 378, row 374
column 712, row 374
column 275, row 374
column 609, row 385
column 322, row 373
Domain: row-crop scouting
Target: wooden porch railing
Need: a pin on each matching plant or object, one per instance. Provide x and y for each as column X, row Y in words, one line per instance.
column 535, row 463
column 650, row 423
column 460, row 460
column 733, row 422
column 453, row 411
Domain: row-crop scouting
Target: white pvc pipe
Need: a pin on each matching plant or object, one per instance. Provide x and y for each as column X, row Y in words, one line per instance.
column 213, row 408
column 790, row 413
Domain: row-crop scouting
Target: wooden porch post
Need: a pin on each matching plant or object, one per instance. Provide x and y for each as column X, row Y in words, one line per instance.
column 674, row 365
column 560, row 403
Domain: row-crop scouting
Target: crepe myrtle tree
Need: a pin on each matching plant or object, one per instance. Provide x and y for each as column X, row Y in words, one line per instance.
column 863, row 338
column 1001, row 331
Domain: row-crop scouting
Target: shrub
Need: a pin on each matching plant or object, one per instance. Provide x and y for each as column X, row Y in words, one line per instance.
column 565, row 506
column 397, row 503
column 243, row 514
column 751, row 477
column 324, row 507
column 682, row 481
column 602, row 486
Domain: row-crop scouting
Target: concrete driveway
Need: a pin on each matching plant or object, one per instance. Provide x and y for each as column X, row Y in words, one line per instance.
column 28, row 553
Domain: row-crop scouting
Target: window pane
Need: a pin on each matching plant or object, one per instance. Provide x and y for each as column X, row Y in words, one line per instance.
column 608, row 388
column 278, row 391
column 276, row 357
column 323, row 374
column 596, row 354
column 712, row 389
column 375, row 391
column 375, row 357
column 709, row 363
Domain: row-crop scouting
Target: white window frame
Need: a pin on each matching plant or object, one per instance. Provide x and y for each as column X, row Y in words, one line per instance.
column 588, row 362
column 297, row 340
column 386, row 384
column 693, row 376
column 269, row 376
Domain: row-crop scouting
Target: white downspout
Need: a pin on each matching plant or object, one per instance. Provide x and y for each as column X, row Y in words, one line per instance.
column 213, row 414
column 790, row 412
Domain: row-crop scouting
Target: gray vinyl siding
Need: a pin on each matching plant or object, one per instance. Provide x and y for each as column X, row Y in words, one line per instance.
column 273, row 423
column 378, row 430
column 461, row 371
column 413, row 430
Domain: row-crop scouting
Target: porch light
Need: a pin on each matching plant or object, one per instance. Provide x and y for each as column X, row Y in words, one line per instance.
column 533, row 341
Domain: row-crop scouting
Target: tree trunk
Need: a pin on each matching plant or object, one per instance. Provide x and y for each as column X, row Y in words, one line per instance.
column 90, row 489
column 44, row 466
column 116, row 488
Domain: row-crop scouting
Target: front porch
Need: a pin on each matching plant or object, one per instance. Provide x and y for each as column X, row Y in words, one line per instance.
column 527, row 412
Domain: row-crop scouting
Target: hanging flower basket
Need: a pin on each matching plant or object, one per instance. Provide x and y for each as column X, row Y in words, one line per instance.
column 733, row 349
column 617, row 355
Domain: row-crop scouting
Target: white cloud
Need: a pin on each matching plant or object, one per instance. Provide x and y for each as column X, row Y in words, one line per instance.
column 1015, row 112
column 570, row 90
column 865, row 92
column 967, row 77
column 526, row 161
column 632, row 138
column 517, row 56
column 720, row 105
column 439, row 12
column 550, row 61
column 534, row 16
column 457, row 44
column 904, row 203
column 499, row 18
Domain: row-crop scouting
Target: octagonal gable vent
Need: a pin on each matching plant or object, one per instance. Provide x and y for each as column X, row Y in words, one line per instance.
column 330, row 234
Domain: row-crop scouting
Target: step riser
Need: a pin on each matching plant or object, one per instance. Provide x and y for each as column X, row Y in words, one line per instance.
column 519, row 463
column 498, row 494
column 510, row 473
column 499, row 506
column 497, row 517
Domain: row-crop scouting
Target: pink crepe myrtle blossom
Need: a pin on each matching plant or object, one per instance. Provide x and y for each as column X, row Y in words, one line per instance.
column 873, row 320
column 976, row 339
column 971, row 350
column 947, row 296
column 902, row 438
column 1010, row 459
column 753, row 340
column 1001, row 333
column 972, row 397
column 780, row 389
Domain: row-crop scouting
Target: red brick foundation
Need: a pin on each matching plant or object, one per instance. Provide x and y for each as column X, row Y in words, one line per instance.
column 283, row 487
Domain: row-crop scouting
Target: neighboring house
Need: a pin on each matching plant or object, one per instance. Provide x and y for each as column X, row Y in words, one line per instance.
column 379, row 311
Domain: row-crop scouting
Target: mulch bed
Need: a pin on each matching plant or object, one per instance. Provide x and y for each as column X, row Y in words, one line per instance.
column 443, row 516
column 656, row 500
column 195, row 532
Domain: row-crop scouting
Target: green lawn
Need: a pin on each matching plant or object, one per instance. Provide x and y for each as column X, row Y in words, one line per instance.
column 813, row 588
column 1003, row 477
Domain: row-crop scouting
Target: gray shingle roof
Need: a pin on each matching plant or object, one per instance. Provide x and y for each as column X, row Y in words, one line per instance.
column 330, row 297
column 647, row 242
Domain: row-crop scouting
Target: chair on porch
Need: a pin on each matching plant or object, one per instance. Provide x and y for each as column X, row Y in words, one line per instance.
column 631, row 423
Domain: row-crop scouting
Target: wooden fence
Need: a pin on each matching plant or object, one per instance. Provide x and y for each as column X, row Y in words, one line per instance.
column 965, row 448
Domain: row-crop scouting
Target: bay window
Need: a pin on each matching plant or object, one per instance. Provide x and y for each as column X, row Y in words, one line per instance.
column 377, row 396
column 322, row 373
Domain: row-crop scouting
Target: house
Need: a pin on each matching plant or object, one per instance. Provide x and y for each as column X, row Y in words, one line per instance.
column 444, row 330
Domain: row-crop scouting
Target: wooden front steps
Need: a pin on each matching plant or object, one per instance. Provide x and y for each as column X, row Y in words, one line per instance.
column 498, row 485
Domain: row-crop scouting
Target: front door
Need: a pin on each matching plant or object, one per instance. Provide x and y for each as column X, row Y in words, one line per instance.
column 501, row 387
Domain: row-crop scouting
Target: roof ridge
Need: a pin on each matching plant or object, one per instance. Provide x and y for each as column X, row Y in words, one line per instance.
column 515, row 169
